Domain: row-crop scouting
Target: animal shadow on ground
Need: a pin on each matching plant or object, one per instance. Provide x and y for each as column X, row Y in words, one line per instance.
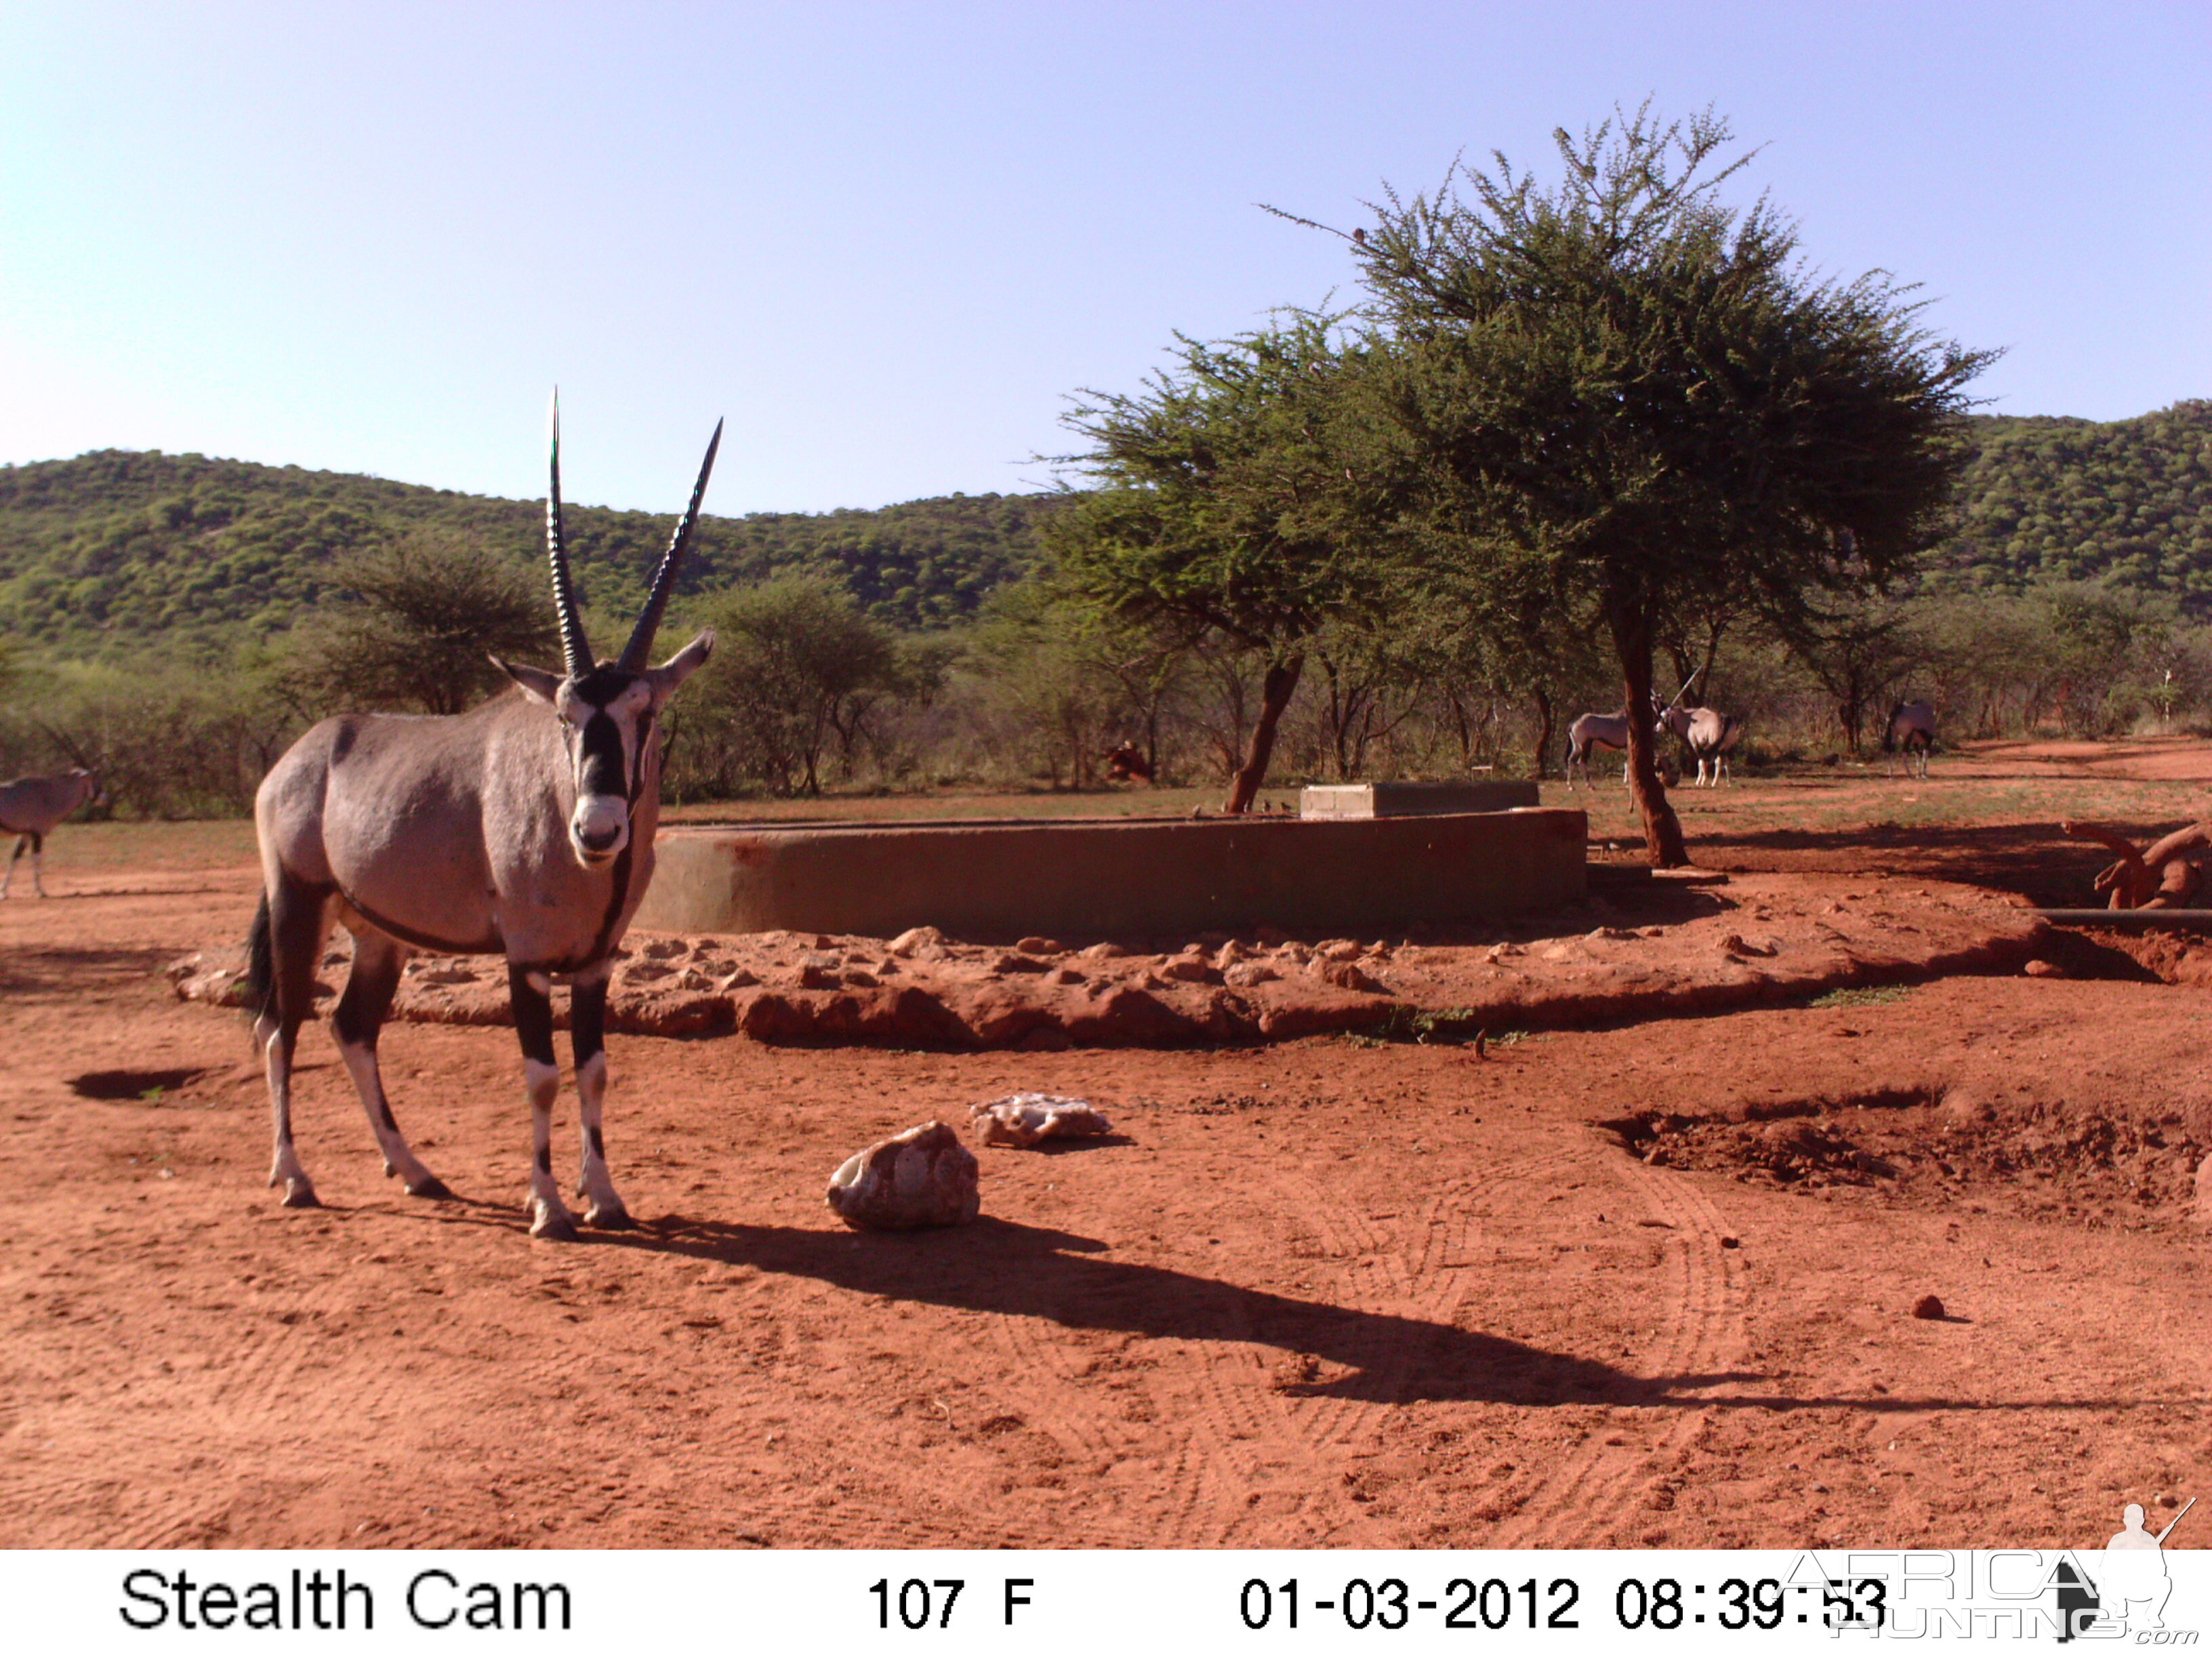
column 134, row 1086
column 1006, row 1267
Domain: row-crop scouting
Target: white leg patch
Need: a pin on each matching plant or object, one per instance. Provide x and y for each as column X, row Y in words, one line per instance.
column 549, row 1216
column 399, row 1158
column 603, row 1206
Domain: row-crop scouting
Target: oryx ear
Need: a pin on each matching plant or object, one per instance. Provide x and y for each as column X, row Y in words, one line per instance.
column 540, row 684
column 681, row 666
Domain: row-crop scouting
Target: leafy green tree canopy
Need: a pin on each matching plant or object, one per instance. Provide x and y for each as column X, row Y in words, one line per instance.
column 796, row 664
column 1219, row 505
column 423, row 618
column 1626, row 396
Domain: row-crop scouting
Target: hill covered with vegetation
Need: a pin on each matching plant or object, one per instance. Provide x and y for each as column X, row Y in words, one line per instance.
column 2047, row 499
column 104, row 553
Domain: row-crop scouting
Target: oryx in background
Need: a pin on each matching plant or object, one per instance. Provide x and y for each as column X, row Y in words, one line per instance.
column 523, row 828
column 1911, row 728
column 29, row 809
column 1711, row 734
column 1588, row 732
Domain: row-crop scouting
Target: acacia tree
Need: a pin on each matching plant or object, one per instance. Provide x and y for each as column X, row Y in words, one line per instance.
column 1622, row 399
column 1221, row 506
column 797, row 665
column 420, row 622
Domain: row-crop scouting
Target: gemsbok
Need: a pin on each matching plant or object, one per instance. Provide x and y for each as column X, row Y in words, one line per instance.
column 1588, row 732
column 29, row 809
column 523, row 828
column 1711, row 735
column 1911, row 727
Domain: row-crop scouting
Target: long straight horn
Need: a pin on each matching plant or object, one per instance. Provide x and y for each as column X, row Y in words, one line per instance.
column 575, row 649
column 664, row 579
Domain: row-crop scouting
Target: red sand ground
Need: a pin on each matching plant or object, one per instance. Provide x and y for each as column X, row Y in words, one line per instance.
column 1651, row 1283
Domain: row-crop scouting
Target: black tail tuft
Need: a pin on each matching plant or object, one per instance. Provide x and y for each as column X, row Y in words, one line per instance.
column 260, row 967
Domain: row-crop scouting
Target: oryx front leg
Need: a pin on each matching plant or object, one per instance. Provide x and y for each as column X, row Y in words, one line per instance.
column 588, row 1024
column 377, row 962
column 533, row 1025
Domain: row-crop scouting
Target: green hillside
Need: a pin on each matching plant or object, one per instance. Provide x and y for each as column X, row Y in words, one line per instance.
column 104, row 552
column 100, row 555
column 2053, row 499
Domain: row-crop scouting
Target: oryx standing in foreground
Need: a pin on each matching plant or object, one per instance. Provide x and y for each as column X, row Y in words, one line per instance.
column 1911, row 727
column 523, row 828
column 29, row 809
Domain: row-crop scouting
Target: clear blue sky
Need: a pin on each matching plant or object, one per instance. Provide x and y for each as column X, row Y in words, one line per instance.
column 886, row 240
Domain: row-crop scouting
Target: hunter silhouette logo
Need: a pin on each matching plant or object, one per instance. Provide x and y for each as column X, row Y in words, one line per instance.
column 2128, row 1584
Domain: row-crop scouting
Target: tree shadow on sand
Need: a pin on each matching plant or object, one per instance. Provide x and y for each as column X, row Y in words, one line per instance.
column 2039, row 861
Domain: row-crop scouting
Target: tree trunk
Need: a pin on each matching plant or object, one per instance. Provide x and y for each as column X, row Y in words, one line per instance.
column 1546, row 724
column 1663, row 830
column 1282, row 679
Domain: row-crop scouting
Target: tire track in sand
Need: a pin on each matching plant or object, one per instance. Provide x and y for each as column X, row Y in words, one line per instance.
column 1419, row 1263
column 1701, row 1333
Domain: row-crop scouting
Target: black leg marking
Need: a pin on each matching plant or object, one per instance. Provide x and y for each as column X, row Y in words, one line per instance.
column 597, row 1141
column 587, row 1019
column 545, row 1160
column 533, row 1016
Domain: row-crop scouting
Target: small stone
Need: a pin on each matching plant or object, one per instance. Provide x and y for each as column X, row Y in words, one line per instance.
column 1035, row 947
column 1350, row 976
column 1192, row 969
column 1729, row 1241
column 2037, row 968
column 1929, row 1307
column 913, row 940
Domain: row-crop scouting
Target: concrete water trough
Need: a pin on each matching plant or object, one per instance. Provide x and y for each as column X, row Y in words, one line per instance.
column 1094, row 878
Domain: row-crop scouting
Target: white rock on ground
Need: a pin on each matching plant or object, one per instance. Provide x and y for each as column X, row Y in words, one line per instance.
column 1025, row 1120
column 922, row 1178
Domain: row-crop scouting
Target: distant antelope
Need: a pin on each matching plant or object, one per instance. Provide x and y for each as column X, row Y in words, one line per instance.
column 1911, row 727
column 523, row 828
column 1588, row 732
column 29, row 809
column 1711, row 735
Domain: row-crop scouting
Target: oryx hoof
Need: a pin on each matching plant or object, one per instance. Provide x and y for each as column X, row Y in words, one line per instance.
column 427, row 1185
column 555, row 1224
column 611, row 1217
column 299, row 1195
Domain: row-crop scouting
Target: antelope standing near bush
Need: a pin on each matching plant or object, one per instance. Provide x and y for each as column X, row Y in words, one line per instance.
column 523, row 828
column 1588, row 732
column 1911, row 728
column 1711, row 735
column 29, row 809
